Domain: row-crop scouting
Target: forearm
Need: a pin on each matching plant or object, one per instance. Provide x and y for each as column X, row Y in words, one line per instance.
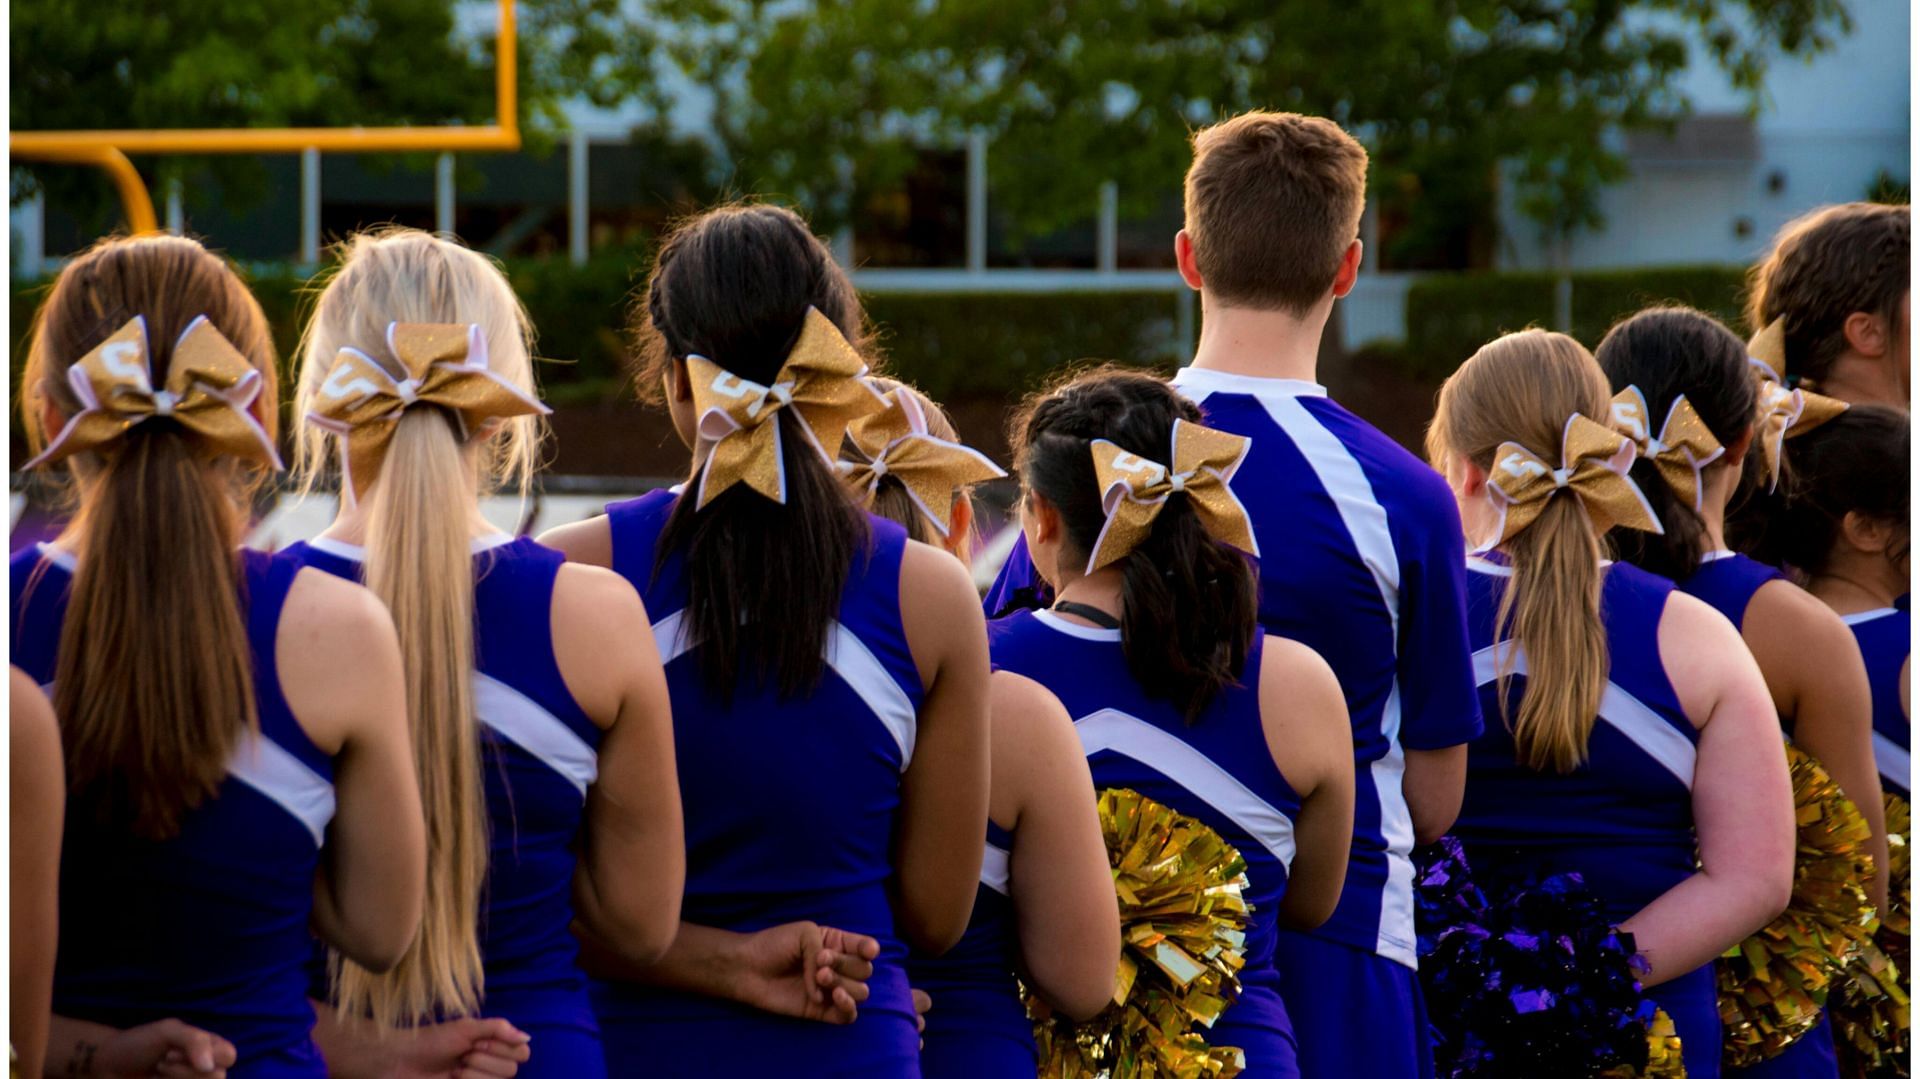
column 1434, row 783
column 1696, row 920
column 351, row 1047
column 701, row 960
column 71, row 1046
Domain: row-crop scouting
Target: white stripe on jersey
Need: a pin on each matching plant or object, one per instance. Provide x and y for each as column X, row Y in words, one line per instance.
column 520, row 719
column 994, row 869
column 1134, row 738
column 850, row 658
column 1896, row 764
column 1868, row 616
column 1624, row 712
column 262, row 764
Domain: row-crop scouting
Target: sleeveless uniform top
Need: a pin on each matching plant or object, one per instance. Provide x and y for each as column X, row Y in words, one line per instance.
column 538, row 757
column 1727, row 582
column 1623, row 820
column 979, row 1026
column 790, row 811
column 1218, row 770
column 211, row 925
column 1886, row 638
column 1363, row 554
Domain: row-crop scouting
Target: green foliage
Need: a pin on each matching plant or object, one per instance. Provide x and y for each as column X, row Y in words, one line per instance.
column 1449, row 316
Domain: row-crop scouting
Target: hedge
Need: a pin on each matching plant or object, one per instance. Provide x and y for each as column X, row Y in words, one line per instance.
column 1451, row 315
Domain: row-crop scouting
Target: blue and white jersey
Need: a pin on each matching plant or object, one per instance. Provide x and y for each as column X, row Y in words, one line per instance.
column 1217, row 769
column 979, row 1028
column 1727, row 581
column 791, row 807
column 211, row 925
column 1361, row 561
column 1886, row 639
column 538, row 757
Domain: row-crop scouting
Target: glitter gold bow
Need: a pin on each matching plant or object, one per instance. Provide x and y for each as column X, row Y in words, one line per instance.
column 823, row 381
column 446, row 365
column 1133, row 490
column 896, row 443
column 210, row 387
column 1593, row 466
column 1784, row 413
column 1683, row 448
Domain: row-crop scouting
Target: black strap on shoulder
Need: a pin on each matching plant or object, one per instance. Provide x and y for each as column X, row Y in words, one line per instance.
column 1092, row 614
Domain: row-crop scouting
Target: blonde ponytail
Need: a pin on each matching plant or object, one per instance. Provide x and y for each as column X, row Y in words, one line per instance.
column 419, row 563
column 1521, row 388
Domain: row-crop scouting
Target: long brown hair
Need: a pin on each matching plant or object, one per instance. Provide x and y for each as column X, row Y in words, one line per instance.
column 1522, row 388
column 154, row 683
column 419, row 562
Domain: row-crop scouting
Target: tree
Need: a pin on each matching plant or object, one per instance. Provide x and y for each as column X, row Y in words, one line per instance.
column 1073, row 93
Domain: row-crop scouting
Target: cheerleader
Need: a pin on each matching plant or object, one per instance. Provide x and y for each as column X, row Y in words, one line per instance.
column 828, row 676
column 1153, row 647
column 235, row 731
column 1632, row 723
column 532, row 738
column 1839, row 281
column 1045, row 908
column 36, row 793
column 1845, row 527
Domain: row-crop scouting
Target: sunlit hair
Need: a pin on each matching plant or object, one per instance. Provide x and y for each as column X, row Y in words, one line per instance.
column 1825, row 265
column 419, row 561
column 1522, row 388
column 154, row 683
column 893, row 502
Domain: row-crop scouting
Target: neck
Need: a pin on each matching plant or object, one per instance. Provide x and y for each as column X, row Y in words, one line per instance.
column 1260, row 343
column 1850, row 588
column 350, row 522
column 1099, row 590
column 1860, row 380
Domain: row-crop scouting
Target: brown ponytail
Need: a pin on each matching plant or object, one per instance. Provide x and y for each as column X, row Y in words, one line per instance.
column 154, row 683
column 1521, row 388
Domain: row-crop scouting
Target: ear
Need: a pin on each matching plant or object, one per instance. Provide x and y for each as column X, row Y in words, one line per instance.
column 960, row 527
column 1349, row 272
column 1189, row 264
column 1737, row 449
column 1468, row 478
column 679, row 386
column 1869, row 535
column 1866, row 334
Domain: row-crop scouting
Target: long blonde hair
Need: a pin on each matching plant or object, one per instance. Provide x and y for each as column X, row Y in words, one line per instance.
column 1522, row 388
column 419, row 563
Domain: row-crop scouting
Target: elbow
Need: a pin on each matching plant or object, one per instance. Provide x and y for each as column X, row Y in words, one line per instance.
column 643, row 935
column 1305, row 918
column 1088, row 997
column 932, row 933
column 1431, row 822
column 1776, row 893
column 1428, row 831
column 377, row 952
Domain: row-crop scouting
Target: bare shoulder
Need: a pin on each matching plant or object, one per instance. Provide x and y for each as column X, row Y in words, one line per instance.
column 1704, row 656
column 596, row 597
column 328, row 611
column 929, row 572
column 338, row 658
column 1797, row 619
column 1303, row 712
column 33, row 733
column 589, row 542
column 1026, row 714
column 1293, row 675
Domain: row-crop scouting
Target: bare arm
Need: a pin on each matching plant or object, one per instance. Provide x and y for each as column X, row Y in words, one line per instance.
column 1813, row 669
column 799, row 969
column 943, row 810
column 340, row 670
column 633, row 861
column 588, row 542
column 169, row 1049
column 1059, row 879
column 1742, row 803
column 1310, row 736
column 456, row 1049
column 37, row 804
column 1434, row 783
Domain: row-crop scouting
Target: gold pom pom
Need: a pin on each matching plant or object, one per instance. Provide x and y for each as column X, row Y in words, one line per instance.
column 1774, row 983
column 1182, row 943
column 1869, row 1007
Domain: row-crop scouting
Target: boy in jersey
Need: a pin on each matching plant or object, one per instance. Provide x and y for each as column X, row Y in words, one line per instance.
column 1361, row 558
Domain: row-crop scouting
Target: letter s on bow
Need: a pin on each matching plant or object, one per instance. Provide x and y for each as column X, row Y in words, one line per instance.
column 1520, row 466
column 1134, row 463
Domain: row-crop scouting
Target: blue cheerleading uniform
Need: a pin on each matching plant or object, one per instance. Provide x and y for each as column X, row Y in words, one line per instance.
column 1218, row 770
column 1727, row 582
column 1362, row 556
column 1623, row 819
column 209, row 926
column 538, row 757
column 767, row 843
column 978, row 1026
column 1886, row 639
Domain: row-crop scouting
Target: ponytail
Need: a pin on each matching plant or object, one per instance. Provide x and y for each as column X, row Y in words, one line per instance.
column 1188, row 611
column 419, row 563
column 1552, row 613
column 154, row 683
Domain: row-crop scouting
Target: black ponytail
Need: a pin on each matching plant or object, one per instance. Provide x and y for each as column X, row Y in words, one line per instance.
column 1855, row 463
column 764, row 579
column 1188, row 603
column 1669, row 352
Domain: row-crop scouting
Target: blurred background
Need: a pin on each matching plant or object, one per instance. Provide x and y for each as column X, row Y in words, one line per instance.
column 1003, row 178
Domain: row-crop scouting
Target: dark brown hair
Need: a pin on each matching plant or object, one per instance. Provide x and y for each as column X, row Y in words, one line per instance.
column 763, row 579
column 1825, row 266
column 155, row 676
column 1668, row 352
column 1273, row 200
column 1855, row 463
column 1188, row 603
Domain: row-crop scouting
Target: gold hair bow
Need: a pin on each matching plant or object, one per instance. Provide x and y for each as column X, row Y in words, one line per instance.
column 210, row 388
column 445, row 364
column 1593, row 466
column 1683, row 448
column 896, row 443
column 1133, row 490
column 823, row 381
column 1784, row 413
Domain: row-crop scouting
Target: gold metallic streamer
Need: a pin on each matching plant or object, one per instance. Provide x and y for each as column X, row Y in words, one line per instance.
column 1869, row 1009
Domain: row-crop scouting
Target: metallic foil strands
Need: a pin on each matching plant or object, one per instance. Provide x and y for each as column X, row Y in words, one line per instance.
column 1774, row 984
column 1869, row 1007
column 1183, row 940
